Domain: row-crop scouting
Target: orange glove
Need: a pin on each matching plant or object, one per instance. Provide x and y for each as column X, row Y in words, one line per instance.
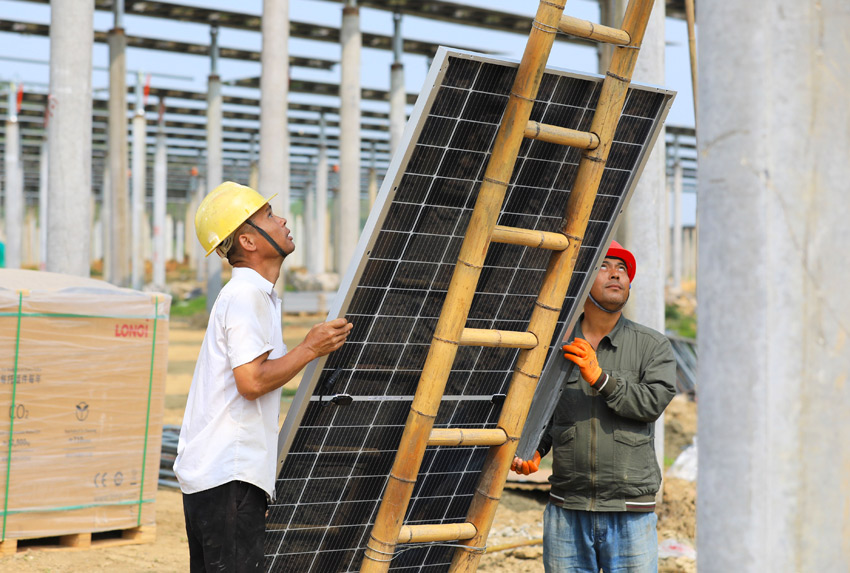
column 525, row 467
column 581, row 353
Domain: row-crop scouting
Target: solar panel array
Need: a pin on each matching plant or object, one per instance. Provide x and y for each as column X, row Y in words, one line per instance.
column 343, row 429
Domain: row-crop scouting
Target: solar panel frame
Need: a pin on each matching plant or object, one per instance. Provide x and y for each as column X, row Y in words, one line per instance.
column 385, row 236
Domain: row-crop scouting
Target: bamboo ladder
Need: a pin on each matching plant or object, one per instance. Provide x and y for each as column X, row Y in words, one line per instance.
column 450, row 332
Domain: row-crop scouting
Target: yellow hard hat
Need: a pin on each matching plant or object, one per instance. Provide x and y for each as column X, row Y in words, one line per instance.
column 223, row 210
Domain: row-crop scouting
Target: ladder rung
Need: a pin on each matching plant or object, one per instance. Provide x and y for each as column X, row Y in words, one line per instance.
column 436, row 532
column 497, row 338
column 529, row 238
column 595, row 32
column 561, row 135
column 467, row 437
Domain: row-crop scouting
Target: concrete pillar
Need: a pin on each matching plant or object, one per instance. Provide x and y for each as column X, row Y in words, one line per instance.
column 774, row 455
column 677, row 225
column 610, row 14
column 373, row 178
column 69, row 131
column 30, row 239
column 274, row 98
column 13, row 186
column 308, row 240
column 169, row 238
column 253, row 166
column 42, row 206
column 214, row 158
column 320, row 236
column 139, row 190
column 180, row 242
column 298, row 231
column 191, row 234
column 349, row 137
column 398, row 97
column 644, row 225
column 160, row 175
column 688, row 254
column 97, row 240
column 117, row 253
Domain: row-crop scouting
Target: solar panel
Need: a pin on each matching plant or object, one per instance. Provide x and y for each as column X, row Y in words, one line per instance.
column 340, row 436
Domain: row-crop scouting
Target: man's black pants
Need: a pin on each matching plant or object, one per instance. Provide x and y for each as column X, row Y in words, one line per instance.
column 226, row 526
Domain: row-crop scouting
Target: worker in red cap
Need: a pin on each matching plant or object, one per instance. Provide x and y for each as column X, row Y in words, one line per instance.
column 601, row 510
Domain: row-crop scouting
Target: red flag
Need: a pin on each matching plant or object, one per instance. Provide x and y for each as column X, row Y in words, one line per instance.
column 147, row 90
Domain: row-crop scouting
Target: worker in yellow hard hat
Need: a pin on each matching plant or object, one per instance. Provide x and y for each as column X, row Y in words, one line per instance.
column 227, row 452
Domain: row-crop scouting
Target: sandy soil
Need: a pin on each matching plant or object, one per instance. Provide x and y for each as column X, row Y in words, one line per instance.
column 519, row 518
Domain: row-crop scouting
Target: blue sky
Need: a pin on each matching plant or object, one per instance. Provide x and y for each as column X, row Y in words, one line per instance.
column 190, row 72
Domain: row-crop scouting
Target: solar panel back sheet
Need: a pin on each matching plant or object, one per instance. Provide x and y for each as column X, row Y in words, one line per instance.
column 342, row 431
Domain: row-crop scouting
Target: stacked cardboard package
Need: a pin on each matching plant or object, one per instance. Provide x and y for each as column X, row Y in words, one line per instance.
column 82, row 383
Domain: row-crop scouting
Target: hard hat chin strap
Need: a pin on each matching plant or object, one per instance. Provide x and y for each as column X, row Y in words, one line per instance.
column 268, row 238
column 603, row 309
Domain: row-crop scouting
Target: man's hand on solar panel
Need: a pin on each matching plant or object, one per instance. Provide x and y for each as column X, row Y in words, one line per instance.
column 526, row 467
column 262, row 375
column 326, row 337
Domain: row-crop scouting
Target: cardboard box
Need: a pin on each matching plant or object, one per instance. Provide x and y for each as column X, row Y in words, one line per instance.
column 82, row 384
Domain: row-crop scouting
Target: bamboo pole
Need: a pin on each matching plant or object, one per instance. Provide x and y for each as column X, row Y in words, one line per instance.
column 431, row 532
column 497, row 338
column 692, row 48
column 589, row 30
column 441, row 355
column 514, row 545
column 559, row 272
column 561, row 135
column 467, row 437
column 529, row 238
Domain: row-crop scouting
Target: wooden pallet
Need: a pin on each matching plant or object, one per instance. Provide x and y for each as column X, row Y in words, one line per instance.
column 81, row 541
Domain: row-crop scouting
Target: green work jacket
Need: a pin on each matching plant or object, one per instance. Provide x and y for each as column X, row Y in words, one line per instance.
column 603, row 440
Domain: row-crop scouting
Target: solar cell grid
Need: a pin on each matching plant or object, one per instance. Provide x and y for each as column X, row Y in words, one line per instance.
column 340, row 440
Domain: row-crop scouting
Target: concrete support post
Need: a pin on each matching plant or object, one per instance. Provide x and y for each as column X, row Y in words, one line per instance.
column 160, row 177
column 644, row 226
column 677, row 226
column 97, row 240
column 373, row 178
column 274, row 98
column 180, row 242
column 253, row 167
column 191, row 234
column 42, row 206
column 13, row 186
column 214, row 158
column 774, row 458
column 398, row 97
column 29, row 257
column 349, row 137
column 309, row 245
column 69, row 131
column 320, row 236
column 116, row 264
column 169, row 238
column 139, row 190
column 610, row 14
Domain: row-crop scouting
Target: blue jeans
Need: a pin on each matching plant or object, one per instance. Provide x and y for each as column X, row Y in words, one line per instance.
column 587, row 541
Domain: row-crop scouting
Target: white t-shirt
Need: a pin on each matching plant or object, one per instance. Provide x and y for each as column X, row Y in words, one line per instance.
column 225, row 437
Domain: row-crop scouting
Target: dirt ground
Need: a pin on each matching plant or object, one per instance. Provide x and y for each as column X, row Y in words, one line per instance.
column 519, row 518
